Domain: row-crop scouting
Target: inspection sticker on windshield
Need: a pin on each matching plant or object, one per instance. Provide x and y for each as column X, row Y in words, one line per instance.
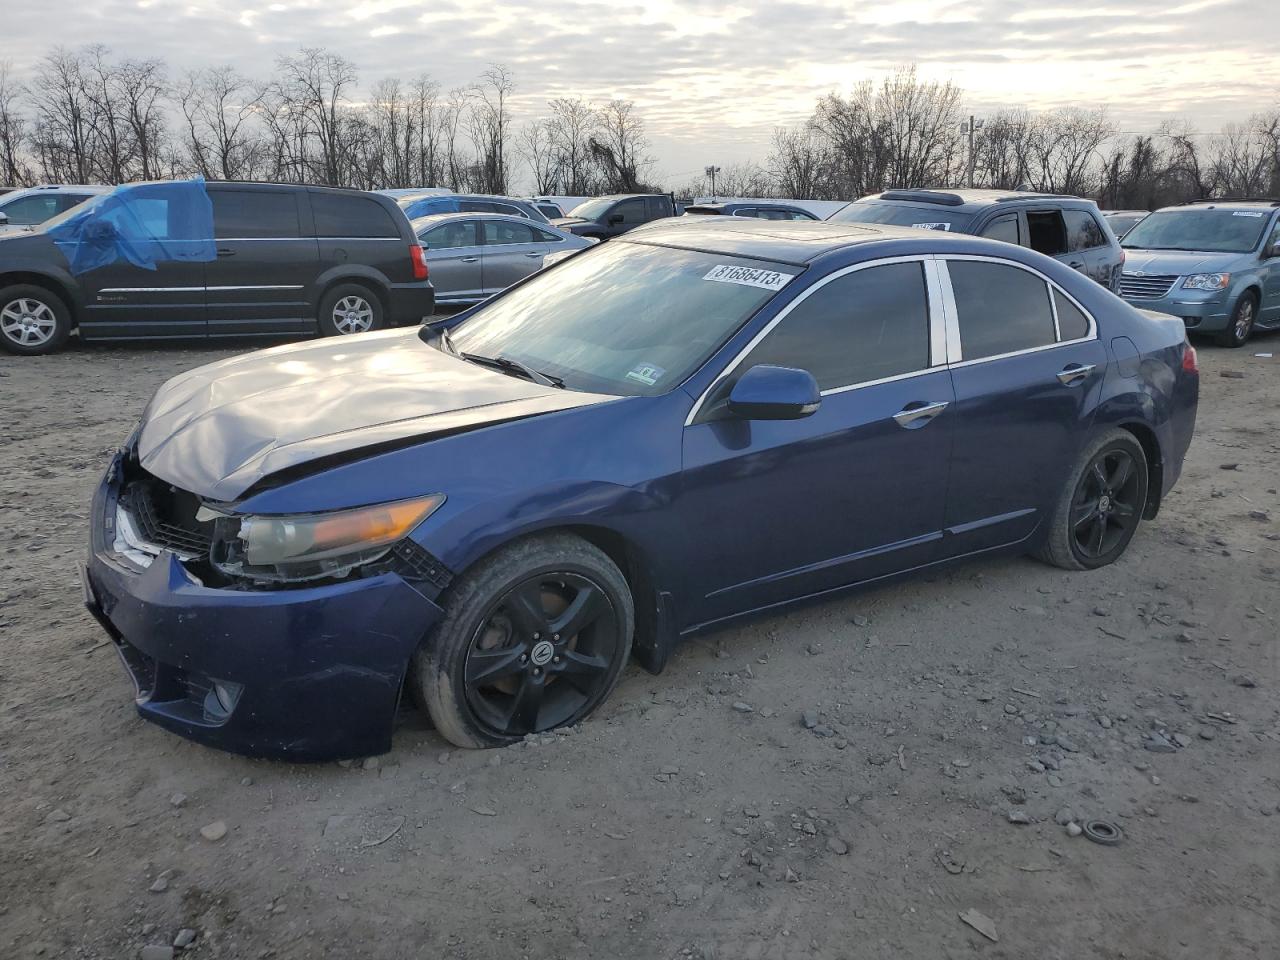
column 1248, row 213
column 932, row 226
column 747, row 276
column 646, row 373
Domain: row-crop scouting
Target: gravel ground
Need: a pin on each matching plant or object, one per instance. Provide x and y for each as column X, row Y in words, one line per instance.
column 678, row 822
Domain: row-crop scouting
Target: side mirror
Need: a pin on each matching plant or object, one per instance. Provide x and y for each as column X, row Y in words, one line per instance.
column 4, row 218
column 1268, row 253
column 774, row 393
column 615, row 219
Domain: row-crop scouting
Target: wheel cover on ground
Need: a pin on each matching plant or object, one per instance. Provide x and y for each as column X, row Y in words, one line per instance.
column 1106, row 507
column 543, row 655
column 28, row 322
column 353, row 314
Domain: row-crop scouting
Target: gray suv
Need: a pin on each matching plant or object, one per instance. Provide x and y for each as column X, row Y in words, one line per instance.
column 1069, row 229
column 1214, row 263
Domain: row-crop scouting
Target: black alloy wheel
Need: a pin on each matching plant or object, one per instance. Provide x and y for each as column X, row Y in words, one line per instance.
column 1107, row 506
column 542, row 655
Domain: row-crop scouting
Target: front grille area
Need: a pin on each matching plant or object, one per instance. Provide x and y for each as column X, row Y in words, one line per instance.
column 1145, row 288
column 166, row 517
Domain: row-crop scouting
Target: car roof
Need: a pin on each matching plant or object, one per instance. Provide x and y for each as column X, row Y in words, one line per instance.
column 435, row 219
column 1244, row 203
column 742, row 204
column 797, row 242
column 90, row 188
column 969, row 200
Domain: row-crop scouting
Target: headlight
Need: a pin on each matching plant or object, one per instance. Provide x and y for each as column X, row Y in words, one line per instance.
column 315, row 545
column 1206, row 281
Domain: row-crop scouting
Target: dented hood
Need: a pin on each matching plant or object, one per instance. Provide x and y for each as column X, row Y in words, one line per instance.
column 219, row 429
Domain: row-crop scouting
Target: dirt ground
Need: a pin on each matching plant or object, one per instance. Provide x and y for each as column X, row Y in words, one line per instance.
column 696, row 815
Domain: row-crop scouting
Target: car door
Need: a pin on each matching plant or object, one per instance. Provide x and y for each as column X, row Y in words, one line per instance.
column 1088, row 241
column 852, row 492
column 1026, row 362
column 626, row 214
column 1270, row 308
column 511, row 252
column 258, row 283
column 454, row 259
column 125, row 300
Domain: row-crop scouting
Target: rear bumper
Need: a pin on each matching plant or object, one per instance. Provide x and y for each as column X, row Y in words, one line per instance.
column 308, row 674
column 410, row 302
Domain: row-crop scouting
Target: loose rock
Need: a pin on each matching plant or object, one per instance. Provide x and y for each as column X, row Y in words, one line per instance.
column 185, row 938
column 837, row 846
column 213, row 832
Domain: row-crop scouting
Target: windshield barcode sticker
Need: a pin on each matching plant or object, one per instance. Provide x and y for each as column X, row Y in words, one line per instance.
column 932, row 226
column 748, row 276
column 1248, row 213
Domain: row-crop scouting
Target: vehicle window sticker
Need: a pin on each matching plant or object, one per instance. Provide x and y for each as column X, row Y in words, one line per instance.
column 646, row 373
column 747, row 276
column 932, row 226
column 1247, row 213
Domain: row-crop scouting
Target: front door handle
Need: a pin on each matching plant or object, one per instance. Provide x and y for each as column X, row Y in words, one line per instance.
column 533, row 254
column 1074, row 373
column 225, row 252
column 468, row 259
column 917, row 415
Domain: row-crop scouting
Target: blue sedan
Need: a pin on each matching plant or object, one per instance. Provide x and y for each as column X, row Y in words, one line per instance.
column 698, row 422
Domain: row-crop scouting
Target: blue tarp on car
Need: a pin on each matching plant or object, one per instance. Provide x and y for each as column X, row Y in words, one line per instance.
column 142, row 224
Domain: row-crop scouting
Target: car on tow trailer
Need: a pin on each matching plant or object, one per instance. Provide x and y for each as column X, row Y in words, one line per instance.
column 663, row 434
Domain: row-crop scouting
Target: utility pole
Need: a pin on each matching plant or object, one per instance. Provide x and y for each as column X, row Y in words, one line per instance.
column 971, row 126
column 711, row 172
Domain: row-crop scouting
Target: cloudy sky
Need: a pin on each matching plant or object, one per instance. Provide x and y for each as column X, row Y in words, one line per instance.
column 711, row 78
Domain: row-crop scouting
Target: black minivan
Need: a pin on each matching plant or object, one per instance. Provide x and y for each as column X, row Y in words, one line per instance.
column 285, row 259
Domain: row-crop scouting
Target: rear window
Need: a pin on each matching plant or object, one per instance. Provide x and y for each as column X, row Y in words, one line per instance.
column 926, row 216
column 337, row 215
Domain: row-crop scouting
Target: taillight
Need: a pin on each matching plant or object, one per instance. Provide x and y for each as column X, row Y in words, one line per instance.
column 1190, row 362
column 419, row 258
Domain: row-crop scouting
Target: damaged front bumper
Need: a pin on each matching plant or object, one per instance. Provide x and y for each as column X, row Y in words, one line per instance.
column 304, row 674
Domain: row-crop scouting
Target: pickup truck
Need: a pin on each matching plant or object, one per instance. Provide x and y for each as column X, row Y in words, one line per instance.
column 605, row 217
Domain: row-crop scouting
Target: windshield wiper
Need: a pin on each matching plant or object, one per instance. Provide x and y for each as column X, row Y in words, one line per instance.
column 511, row 365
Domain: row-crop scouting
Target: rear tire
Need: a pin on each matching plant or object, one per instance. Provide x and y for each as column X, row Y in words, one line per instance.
column 350, row 308
column 1100, row 506
column 1240, row 326
column 535, row 637
column 33, row 320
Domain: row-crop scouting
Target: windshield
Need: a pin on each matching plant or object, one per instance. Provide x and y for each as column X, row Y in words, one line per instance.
column 593, row 209
column 928, row 217
column 624, row 318
column 1203, row 231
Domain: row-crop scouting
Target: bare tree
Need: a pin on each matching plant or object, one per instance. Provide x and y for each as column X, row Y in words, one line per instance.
column 535, row 144
column 309, row 100
column 14, row 169
column 219, row 106
column 620, row 147
column 572, row 124
column 1064, row 147
column 143, row 89
column 798, row 162
column 65, row 137
column 488, row 120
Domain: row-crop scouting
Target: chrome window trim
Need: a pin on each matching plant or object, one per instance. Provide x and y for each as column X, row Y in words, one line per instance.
column 930, row 292
column 955, row 355
column 292, row 239
column 265, row 286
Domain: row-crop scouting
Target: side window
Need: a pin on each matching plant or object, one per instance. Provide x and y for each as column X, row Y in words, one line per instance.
column 141, row 217
column 544, row 236
column 509, row 210
column 450, row 236
column 254, row 214
column 866, row 325
column 1004, row 228
column 478, row 206
column 798, row 215
column 632, row 211
column 1048, row 232
column 424, row 208
column 500, row 232
column 1001, row 309
column 1072, row 323
column 746, row 212
column 29, row 210
column 1083, row 232
column 343, row 215
column 767, row 214
column 658, row 208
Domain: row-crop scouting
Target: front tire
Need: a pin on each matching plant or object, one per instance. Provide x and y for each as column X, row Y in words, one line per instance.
column 1240, row 326
column 350, row 308
column 534, row 638
column 33, row 320
column 1101, row 505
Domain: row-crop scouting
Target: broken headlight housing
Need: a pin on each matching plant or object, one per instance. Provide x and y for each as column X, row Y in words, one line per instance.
column 294, row 548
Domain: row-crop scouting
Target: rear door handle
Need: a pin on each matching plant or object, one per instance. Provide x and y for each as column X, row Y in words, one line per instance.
column 913, row 415
column 468, row 259
column 1074, row 373
column 533, row 254
column 225, row 252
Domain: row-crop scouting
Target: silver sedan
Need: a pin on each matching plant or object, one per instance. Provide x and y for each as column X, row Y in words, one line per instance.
column 472, row 256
